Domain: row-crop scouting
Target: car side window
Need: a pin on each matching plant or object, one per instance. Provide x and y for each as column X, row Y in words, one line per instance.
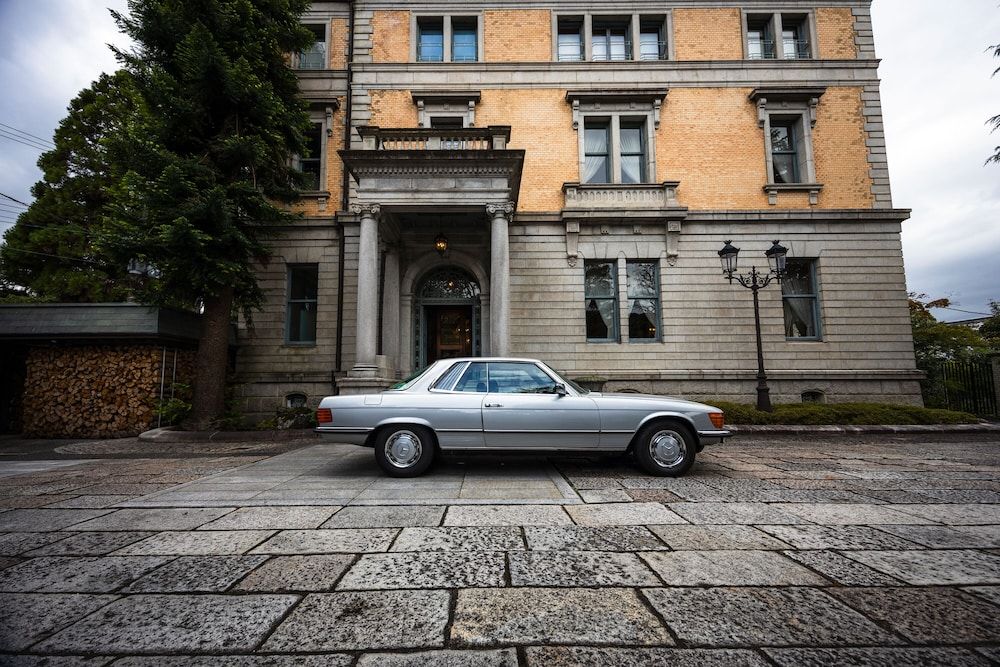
column 519, row 378
column 473, row 379
column 448, row 379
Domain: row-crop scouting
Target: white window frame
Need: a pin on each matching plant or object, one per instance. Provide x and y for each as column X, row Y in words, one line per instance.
column 634, row 20
column 446, row 19
column 775, row 21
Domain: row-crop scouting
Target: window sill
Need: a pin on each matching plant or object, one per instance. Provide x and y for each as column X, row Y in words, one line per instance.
column 298, row 346
column 601, row 341
column 803, row 340
column 772, row 190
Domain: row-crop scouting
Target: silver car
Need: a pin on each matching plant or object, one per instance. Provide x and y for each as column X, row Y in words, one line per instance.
column 516, row 404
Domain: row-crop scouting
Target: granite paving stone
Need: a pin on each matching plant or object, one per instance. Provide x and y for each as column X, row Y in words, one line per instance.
column 325, row 660
column 196, row 574
column 358, row 540
column 144, row 624
column 849, row 513
column 991, row 653
column 837, row 537
column 56, row 661
column 579, row 568
column 89, row 544
column 26, row 618
column 949, row 537
column 272, row 518
column 312, row 573
column 597, row 616
column 196, row 543
column 703, row 537
column 927, row 615
column 370, row 621
column 586, row 656
column 840, row 569
column 955, row 514
column 452, row 569
column 605, row 496
column 506, row 657
column 729, row 568
column 734, row 513
column 876, row 657
column 89, row 502
column 762, row 617
column 8, row 561
column 44, row 520
column 460, row 538
column 989, row 593
column 938, row 567
column 377, row 516
column 506, row 515
column 618, row 514
column 12, row 544
column 153, row 519
column 64, row 574
column 591, row 538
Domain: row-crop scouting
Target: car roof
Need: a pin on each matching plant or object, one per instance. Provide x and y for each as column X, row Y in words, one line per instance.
column 456, row 359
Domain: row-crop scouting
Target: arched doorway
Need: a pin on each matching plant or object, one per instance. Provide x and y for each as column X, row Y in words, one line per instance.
column 446, row 316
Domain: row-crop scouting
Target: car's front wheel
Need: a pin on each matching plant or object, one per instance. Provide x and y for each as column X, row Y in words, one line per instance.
column 405, row 450
column 665, row 449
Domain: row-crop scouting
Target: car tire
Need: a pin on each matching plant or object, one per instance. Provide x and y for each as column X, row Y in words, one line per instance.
column 404, row 450
column 665, row 449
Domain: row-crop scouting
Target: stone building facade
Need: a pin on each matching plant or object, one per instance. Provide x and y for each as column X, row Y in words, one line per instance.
column 583, row 162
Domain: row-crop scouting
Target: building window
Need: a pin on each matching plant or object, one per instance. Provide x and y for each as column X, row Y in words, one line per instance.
column 296, row 401
column 600, row 294
column 611, row 39
column 310, row 164
column 430, row 40
column 314, row 56
column 569, row 39
column 643, row 282
column 778, row 36
column 652, row 43
column 615, row 150
column 785, row 156
column 464, row 40
column 800, row 299
column 303, row 281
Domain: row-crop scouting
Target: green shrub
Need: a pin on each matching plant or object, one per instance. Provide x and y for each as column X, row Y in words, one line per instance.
column 288, row 418
column 840, row 414
column 176, row 409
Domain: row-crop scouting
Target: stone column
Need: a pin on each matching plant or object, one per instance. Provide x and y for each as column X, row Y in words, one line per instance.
column 499, row 277
column 390, row 307
column 366, row 342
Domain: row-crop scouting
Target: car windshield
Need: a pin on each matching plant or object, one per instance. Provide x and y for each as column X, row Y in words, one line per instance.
column 562, row 376
column 403, row 385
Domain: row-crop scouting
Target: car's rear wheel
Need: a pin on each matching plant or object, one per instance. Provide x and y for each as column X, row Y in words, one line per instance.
column 404, row 450
column 666, row 449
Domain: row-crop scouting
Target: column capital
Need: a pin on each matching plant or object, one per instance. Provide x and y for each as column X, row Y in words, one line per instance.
column 372, row 210
column 503, row 209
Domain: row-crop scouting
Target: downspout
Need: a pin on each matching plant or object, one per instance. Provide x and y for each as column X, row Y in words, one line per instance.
column 344, row 200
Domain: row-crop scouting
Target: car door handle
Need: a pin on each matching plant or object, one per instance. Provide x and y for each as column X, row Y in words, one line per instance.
column 493, row 405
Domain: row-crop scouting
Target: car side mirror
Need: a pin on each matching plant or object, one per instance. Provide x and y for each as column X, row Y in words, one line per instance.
column 560, row 389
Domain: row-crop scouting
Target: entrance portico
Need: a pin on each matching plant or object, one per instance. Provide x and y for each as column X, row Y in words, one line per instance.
column 412, row 184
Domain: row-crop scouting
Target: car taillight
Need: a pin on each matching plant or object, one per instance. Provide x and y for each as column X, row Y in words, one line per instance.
column 324, row 416
column 718, row 419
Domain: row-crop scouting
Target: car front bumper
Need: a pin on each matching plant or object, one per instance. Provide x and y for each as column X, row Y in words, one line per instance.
column 713, row 437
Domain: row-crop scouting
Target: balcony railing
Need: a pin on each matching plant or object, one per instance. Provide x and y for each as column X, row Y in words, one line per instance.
column 762, row 49
column 791, row 49
column 435, row 139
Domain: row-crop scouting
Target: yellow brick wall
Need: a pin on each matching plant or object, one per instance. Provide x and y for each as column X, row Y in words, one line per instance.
column 338, row 44
column 542, row 124
column 393, row 108
column 708, row 34
column 391, row 36
column 835, row 33
column 518, row 35
column 840, row 152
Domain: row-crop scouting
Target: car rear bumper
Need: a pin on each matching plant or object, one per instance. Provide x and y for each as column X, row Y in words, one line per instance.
column 351, row 435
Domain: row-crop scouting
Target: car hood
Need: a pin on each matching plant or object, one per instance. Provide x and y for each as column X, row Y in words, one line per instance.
column 681, row 403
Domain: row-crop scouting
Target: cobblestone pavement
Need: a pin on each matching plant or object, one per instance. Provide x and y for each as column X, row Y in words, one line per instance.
column 777, row 551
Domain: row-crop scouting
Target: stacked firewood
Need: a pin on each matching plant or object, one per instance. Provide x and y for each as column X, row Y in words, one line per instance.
column 98, row 390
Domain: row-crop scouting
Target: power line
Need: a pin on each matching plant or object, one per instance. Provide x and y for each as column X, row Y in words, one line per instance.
column 967, row 312
column 28, row 134
column 30, row 143
column 46, row 254
column 17, row 201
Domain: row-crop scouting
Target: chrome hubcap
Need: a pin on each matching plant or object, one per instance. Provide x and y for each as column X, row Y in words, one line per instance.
column 667, row 448
column 403, row 448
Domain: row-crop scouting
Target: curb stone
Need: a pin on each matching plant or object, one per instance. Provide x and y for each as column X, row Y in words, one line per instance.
column 171, row 434
column 780, row 429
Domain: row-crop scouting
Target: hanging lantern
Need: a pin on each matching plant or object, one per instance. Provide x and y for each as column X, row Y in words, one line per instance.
column 441, row 244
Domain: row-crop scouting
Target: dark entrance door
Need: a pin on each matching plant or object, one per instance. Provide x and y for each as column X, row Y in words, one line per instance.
column 449, row 332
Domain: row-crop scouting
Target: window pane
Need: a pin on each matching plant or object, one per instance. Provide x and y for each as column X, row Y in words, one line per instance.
column 448, row 378
column 781, row 138
column 430, row 45
column 601, row 319
column 595, row 169
column 515, row 378
column 800, row 317
column 595, row 139
column 474, row 378
column 632, row 168
column 642, row 319
column 570, row 43
column 464, row 45
column 785, row 168
column 302, row 322
column 797, row 278
column 642, row 280
column 651, row 44
column 631, row 138
column 599, row 279
column 302, row 282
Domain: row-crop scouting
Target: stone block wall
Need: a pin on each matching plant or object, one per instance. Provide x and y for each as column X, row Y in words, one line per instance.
column 98, row 391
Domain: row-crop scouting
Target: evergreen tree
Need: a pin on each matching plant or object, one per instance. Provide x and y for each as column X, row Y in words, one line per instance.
column 206, row 172
column 49, row 253
column 936, row 342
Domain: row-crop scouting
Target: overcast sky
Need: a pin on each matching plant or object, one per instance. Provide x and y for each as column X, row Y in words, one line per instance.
column 936, row 96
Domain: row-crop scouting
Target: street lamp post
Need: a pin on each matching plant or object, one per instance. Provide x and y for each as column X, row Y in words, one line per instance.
column 756, row 281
